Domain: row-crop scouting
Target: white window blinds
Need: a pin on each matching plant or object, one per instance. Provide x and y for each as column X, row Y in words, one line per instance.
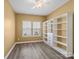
column 36, row 28
column 26, row 28
column 31, row 28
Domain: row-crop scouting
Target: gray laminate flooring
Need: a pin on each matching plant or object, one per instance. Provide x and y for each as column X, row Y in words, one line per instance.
column 34, row 51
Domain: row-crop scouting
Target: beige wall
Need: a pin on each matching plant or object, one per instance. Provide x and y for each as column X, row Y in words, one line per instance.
column 19, row 19
column 9, row 27
column 68, row 7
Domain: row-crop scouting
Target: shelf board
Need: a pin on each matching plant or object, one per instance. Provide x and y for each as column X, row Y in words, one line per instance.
column 64, row 44
column 59, row 29
column 44, row 37
column 61, row 36
column 60, row 23
column 33, row 36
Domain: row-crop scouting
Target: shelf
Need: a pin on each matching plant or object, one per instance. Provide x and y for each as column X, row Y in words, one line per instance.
column 44, row 37
column 60, row 29
column 60, row 23
column 63, row 40
column 64, row 44
column 61, row 19
column 61, row 26
column 33, row 36
column 61, row 36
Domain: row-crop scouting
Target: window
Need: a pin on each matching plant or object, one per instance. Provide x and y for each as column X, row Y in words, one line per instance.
column 26, row 28
column 31, row 30
column 36, row 28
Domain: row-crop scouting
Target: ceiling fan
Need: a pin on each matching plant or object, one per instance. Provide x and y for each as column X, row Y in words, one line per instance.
column 40, row 3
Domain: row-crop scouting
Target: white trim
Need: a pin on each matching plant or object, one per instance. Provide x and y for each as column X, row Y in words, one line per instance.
column 10, row 51
column 29, row 41
column 20, row 43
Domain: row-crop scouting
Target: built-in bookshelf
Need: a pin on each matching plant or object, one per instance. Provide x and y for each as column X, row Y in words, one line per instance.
column 61, row 27
column 45, row 31
column 61, row 33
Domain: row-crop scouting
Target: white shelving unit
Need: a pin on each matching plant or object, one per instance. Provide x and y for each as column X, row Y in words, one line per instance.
column 61, row 27
column 45, row 31
column 48, row 32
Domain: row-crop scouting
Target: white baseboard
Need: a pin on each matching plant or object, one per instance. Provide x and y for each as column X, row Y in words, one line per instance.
column 10, row 51
column 29, row 41
column 20, row 43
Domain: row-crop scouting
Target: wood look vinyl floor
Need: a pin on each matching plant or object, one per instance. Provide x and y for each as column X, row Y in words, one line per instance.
column 34, row 51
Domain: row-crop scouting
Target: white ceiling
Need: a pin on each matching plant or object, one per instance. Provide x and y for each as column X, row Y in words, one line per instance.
column 26, row 6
